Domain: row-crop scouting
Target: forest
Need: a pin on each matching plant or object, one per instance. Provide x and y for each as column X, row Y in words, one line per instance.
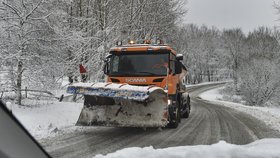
column 42, row 42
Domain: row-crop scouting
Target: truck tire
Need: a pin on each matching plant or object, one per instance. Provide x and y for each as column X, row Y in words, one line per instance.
column 174, row 117
column 186, row 108
column 187, row 113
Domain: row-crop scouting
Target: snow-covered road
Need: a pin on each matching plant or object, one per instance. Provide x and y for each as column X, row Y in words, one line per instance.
column 208, row 124
column 269, row 115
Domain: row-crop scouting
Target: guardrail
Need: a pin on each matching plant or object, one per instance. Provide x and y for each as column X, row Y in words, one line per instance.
column 26, row 90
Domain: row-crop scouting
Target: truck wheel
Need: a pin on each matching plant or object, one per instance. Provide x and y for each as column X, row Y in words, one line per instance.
column 187, row 113
column 187, row 108
column 174, row 117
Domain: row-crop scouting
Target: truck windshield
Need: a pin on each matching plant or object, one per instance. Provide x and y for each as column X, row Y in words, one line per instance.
column 138, row 64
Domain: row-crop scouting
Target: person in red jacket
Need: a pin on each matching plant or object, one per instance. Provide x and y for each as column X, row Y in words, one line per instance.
column 83, row 73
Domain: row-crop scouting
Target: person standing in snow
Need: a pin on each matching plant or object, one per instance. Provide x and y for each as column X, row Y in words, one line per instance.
column 83, row 73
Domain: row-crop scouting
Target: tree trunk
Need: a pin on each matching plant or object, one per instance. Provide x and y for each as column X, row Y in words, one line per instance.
column 208, row 75
column 235, row 77
column 19, row 82
column 235, row 82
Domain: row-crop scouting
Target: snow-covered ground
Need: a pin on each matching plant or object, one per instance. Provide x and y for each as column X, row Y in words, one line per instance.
column 271, row 116
column 261, row 148
column 51, row 118
column 48, row 118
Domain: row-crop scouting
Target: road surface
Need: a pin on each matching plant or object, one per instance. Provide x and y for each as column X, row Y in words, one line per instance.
column 208, row 123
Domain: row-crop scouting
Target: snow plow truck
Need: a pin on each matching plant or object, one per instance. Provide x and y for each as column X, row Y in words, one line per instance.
column 144, row 88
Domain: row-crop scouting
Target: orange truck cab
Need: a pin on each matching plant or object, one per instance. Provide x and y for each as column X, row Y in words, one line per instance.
column 150, row 65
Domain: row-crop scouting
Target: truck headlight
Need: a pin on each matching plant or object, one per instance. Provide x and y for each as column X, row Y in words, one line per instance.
column 169, row 102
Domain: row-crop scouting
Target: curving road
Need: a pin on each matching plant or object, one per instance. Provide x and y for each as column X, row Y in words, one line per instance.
column 207, row 124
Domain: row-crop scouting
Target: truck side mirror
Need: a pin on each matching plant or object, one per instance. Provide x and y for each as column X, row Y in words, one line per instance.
column 108, row 56
column 179, row 57
column 178, row 67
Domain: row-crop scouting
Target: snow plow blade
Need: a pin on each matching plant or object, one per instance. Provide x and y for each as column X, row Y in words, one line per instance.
column 121, row 105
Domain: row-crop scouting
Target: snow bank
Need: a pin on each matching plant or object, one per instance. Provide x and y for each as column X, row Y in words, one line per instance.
column 270, row 116
column 257, row 149
column 48, row 119
column 212, row 95
column 205, row 83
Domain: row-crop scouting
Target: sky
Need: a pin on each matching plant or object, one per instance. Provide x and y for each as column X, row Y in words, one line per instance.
column 245, row 14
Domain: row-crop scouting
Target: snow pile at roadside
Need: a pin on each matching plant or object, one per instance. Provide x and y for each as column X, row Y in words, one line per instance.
column 212, row 95
column 257, row 149
column 48, row 119
column 205, row 83
column 270, row 116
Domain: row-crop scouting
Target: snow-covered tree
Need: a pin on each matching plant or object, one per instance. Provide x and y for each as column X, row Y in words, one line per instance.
column 234, row 43
column 259, row 81
column 201, row 47
column 26, row 40
column 103, row 22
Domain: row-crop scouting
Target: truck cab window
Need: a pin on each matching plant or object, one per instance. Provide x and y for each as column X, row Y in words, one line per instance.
column 139, row 64
column 114, row 66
